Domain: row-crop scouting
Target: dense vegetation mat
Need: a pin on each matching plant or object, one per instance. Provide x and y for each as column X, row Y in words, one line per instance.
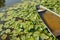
column 22, row 22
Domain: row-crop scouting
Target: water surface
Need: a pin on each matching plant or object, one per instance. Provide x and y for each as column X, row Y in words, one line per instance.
column 6, row 3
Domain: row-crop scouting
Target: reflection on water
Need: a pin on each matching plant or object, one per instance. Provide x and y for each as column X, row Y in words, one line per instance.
column 4, row 3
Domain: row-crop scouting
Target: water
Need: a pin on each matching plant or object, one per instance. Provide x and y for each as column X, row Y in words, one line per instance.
column 10, row 2
column 6, row 3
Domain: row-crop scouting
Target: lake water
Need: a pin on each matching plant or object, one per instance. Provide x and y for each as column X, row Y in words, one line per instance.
column 10, row 2
column 5, row 3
